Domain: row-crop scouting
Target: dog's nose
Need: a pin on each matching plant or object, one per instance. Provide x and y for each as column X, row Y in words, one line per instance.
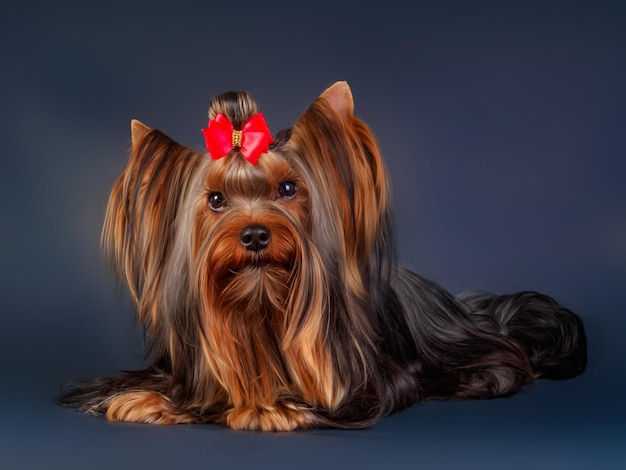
column 255, row 237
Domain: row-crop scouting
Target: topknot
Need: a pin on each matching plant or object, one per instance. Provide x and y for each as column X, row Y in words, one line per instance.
column 237, row 106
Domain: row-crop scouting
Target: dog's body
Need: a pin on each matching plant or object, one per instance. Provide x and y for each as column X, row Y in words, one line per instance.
column 271, row 297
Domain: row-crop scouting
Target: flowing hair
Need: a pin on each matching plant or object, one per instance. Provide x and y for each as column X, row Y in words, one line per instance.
column 321, row 327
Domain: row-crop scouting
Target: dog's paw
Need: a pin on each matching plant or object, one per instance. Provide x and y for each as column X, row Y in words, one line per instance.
column 277, row 417
column 146, row 407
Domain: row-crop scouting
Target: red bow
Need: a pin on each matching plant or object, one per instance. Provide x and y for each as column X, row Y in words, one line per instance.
column 253, row 139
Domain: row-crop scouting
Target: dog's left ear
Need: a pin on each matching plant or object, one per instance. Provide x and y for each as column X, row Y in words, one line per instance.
column 138, row 131
column 339, row 97
column 347, row 180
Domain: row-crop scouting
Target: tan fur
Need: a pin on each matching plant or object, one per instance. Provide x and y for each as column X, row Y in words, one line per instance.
column 146, row 407
column 275, row 417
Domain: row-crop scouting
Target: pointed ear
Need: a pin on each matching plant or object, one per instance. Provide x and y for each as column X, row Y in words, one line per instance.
column 142, row 211
column 345, row 174
column 138, row 131
column 339, row 97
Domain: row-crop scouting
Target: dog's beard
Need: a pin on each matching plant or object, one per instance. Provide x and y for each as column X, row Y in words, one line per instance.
column 260, row 288
column 234, row 279
column 243, row 295
column 262, row 314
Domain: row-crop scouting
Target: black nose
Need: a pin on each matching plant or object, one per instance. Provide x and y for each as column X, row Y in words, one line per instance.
column 255, row 237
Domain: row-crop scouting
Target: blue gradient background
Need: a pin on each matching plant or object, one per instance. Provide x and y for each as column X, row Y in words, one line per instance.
column 503, row 127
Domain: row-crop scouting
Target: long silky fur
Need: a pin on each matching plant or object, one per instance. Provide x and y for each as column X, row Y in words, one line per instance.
column 322, row 329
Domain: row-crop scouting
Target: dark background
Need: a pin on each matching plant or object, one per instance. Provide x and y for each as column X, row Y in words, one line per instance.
column 503, row 128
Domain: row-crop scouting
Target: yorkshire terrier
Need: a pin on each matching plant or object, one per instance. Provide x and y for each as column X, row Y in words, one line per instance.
column 263, row 272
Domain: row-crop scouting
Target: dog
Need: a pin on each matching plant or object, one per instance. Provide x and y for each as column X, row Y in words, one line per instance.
column 263, row 273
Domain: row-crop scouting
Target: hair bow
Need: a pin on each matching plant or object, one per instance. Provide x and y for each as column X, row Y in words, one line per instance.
column 253, row 139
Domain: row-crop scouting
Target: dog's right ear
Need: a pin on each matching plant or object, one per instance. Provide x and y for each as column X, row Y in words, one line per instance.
column 137, row 236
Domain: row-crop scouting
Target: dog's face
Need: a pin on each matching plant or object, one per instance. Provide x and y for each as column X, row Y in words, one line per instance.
column 250, row 224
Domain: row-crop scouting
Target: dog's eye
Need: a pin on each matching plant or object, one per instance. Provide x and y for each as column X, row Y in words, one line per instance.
column 217, row 202
column 287, row 189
